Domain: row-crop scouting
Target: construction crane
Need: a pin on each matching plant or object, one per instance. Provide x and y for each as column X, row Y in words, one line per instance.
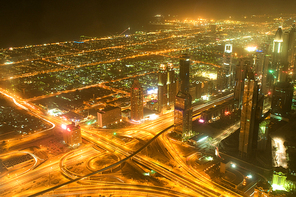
column 125, row 31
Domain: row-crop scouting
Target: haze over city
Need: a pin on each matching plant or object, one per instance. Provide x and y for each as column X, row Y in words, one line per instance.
column 25, row 22
column 147, row 98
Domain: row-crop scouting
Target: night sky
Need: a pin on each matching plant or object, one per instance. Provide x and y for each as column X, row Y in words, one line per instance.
column 40, row 21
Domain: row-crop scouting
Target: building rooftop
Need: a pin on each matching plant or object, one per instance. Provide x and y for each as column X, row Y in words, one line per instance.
column 264, row 185
column 285, row 132
column 108, row 108
column 72, row 126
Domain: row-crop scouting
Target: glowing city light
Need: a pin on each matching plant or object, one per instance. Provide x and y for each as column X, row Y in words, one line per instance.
column 152, row 91
column 251, row 48
column 277, row 187
column 233, row 165
column 205, row 97
column 64, row 126
column 226, row 113
column 7, row 63
column 153, row 117
column 203, row 139
column 201, row 121
column 209, row 158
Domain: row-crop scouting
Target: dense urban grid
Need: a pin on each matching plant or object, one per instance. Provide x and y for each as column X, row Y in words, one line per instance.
column 188, row 108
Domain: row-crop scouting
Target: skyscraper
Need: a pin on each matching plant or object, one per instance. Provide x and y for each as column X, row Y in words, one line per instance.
column 171, row 86
column 221, row 79
column 277, row 47
column 240, row 75
column 183, row 114
column 184, row 73
column 227, row 65
column 281, row 102
column 250, row 114
column 266, row 78
column 162, row 89
column 183, row 102
column 136, row 101
column 283, row 53
column 166, row 87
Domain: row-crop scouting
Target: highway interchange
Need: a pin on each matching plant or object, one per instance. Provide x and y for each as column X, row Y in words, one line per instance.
column 184, row 176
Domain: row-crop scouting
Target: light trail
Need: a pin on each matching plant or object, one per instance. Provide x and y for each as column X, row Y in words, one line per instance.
column 17, row 103
column 24, row 152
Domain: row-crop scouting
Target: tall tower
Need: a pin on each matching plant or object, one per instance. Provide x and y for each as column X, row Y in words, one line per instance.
column 267, row 74
column 250, row 114
column 277, row 48
column 166, row 87
column 183, row 102
column 227, row 65
column 221, row 79
column 184, row 73
column 136, row 101
column 280, row 55
column 292, row 43
column 162, row 89
column 240, row 75
column 171, row 86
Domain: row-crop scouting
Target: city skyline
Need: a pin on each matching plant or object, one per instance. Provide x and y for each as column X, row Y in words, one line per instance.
column 189, row 106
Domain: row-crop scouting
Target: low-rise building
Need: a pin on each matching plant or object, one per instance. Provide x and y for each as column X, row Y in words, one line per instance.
column 109, row 115
column 72, row 134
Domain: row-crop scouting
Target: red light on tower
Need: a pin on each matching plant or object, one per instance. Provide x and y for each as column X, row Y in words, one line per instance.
column 226, row 113
column 269, row 93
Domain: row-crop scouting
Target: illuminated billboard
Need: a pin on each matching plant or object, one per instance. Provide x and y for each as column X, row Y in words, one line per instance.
column 228, row 48
column 152, row 91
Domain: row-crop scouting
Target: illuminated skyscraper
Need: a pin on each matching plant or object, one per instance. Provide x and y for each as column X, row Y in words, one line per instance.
column 166, row 88
column 183, row 114
column 227, row 65
column 162, row 89
column 240, row 75
column 171, row 86
column 221, row 79
column 277, row 46
column 136, row 101
column 72, row 134
column 250, row 115
column 183, row 102
column 266, row 78
column 283, row 53
column 184, row 73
